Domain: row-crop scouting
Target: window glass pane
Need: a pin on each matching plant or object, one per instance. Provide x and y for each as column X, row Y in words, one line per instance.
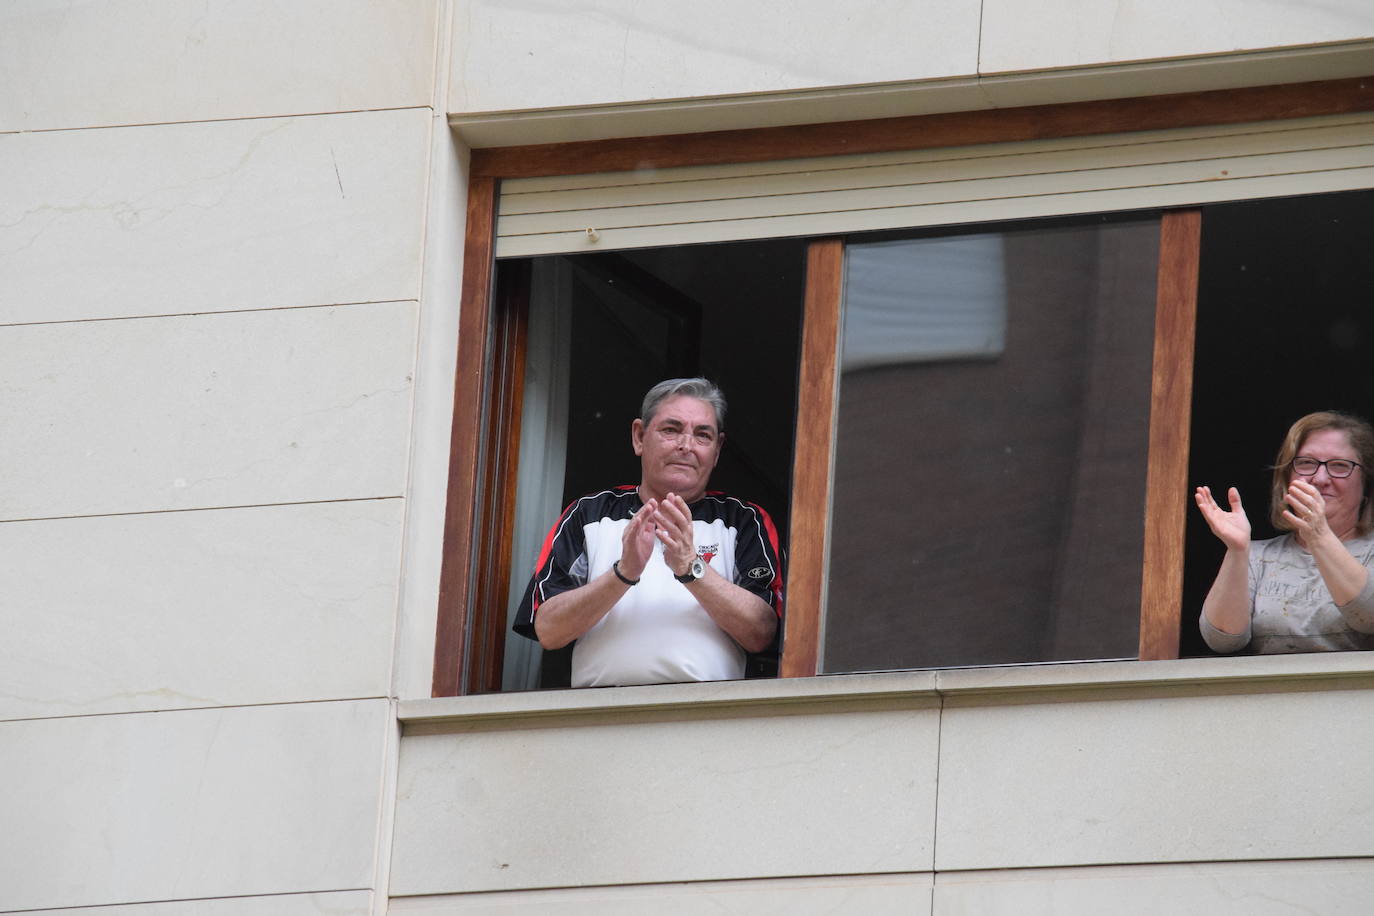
column 991, row 447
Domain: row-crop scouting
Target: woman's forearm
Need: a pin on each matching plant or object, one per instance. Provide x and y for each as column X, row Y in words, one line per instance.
column 1344, row 575
column 1227, row 606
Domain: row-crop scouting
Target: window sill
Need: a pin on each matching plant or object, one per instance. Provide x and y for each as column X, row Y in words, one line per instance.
column 908, row 689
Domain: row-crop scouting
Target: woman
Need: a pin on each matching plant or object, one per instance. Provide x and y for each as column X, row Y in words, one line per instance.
column 1309, row 590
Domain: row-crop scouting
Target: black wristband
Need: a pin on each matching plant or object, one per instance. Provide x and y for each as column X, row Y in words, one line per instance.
column 615, row 568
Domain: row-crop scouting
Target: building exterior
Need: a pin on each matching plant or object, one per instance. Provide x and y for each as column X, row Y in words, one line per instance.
column 246, row 438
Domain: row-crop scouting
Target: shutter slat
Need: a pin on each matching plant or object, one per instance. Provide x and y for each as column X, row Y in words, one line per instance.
column 889, row 191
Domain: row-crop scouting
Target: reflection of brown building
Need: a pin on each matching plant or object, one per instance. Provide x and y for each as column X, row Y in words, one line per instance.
column 991, row 511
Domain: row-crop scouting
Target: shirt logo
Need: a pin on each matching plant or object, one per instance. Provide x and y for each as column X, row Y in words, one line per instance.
column 707, row 552
column 758, row 572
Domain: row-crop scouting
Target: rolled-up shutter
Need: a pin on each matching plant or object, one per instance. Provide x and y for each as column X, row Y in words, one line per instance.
column 840, row 194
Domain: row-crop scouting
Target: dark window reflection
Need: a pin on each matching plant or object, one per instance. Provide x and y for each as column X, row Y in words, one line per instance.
column 991, row 452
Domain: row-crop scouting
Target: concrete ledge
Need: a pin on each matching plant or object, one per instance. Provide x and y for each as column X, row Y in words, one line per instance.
column 1057, row 765
column 916, row 97
column 757, row 697
column 1036, row 683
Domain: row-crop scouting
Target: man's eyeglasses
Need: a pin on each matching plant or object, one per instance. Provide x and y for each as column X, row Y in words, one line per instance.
column 1336, row 467
column 703, row 437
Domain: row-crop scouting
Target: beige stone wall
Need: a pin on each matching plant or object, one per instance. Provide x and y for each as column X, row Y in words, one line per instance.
column 213, row 287
column 525, row 73
column 1229, row 786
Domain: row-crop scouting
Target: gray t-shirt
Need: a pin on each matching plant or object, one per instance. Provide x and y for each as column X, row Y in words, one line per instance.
column 1290, row 607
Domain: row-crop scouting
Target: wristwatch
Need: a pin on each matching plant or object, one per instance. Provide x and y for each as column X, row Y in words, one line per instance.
column 693, row 573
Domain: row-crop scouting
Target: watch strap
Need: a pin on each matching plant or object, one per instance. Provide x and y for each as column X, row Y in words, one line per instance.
column 694, row 572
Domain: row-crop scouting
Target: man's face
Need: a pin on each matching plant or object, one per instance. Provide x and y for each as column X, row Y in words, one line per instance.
column 678, row 448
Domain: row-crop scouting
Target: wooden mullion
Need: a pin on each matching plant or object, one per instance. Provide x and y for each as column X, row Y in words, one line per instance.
column 1166, row 486
column 455, row 577
column 811, row 472
column 915, row 132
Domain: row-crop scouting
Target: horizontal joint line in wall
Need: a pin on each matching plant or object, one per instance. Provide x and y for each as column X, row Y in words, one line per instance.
column 304, row 502
column 265, row 308
column 259, row 117
column 174, row 709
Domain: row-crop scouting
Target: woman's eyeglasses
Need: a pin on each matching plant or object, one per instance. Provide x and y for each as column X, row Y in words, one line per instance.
column 1336, row 467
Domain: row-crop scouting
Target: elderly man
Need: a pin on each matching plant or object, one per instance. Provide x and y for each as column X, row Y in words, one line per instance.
column 663, row 581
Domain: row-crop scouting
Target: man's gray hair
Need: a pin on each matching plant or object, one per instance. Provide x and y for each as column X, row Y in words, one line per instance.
column 691, row 387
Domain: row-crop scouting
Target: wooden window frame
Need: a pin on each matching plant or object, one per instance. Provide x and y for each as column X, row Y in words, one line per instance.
column 470, row 631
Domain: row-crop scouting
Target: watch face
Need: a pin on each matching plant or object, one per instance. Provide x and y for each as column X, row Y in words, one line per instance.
column 693, row 573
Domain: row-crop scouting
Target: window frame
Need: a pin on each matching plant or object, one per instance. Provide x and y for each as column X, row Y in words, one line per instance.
column 484, row 440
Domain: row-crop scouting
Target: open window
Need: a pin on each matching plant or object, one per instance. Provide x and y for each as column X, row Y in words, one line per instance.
column 1285, row 327
column 990, row 426
column 1096, row 310
column 602, row 329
